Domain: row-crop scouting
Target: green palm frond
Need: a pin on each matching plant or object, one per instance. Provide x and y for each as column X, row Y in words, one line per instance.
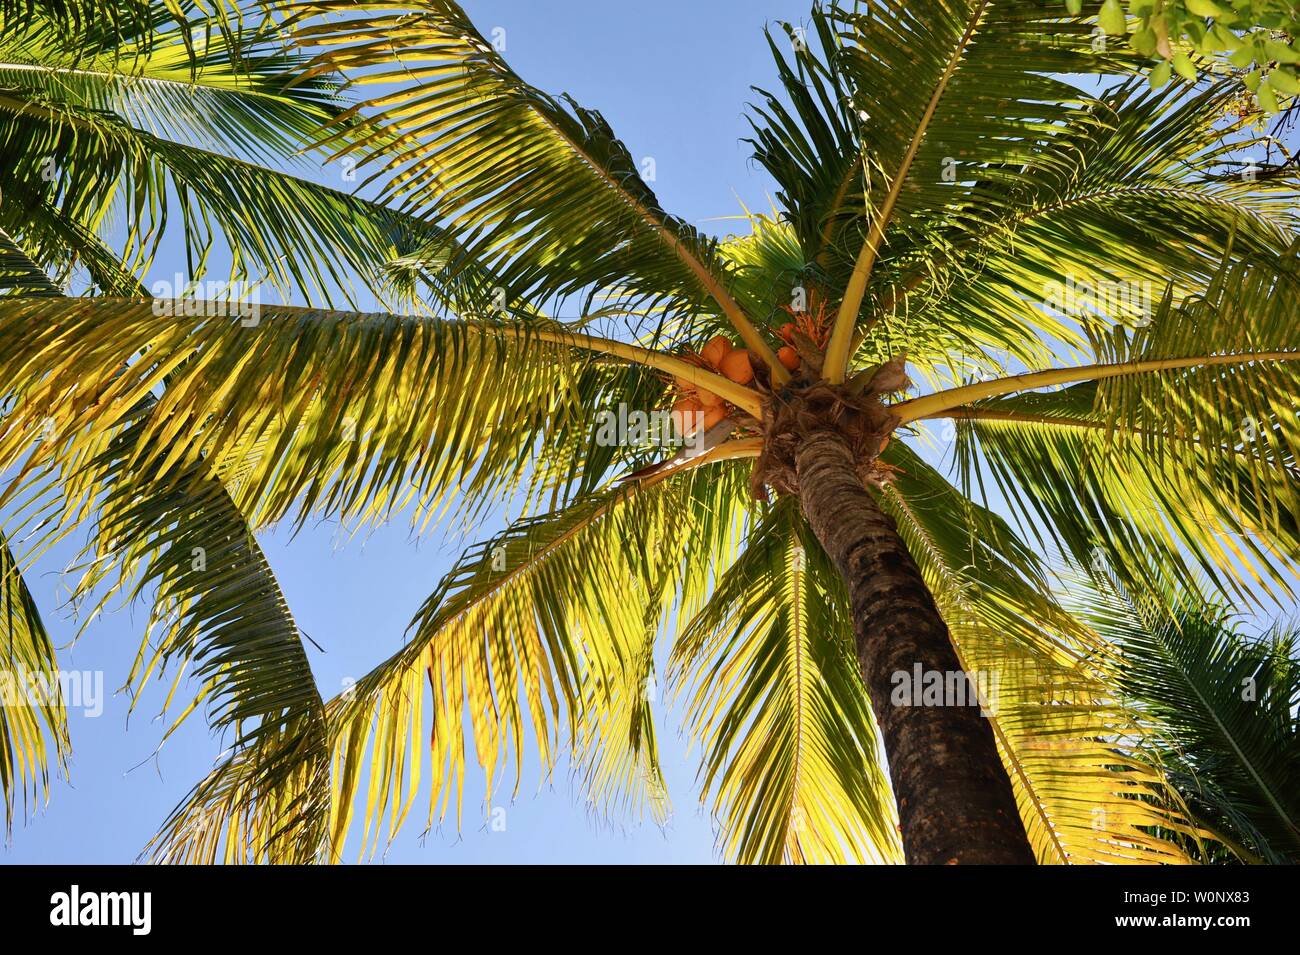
column 616, row 750
column 983, row 91
column 285, row 230
column 192, row 122
column 1222, row 712
column 1186, row 468
column 539, row 190
column 1070, row 746
column 774, row 696
column 766, row 264
column 981, row 99
column 540, row 631
column 225, row 89
column 33, row 721
column 87, row 24
column 59, row 244
column 168, row 531
column 1141, row 196
column 19, row 274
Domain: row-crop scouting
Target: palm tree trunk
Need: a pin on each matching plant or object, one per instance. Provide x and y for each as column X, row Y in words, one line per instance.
column 955, row 803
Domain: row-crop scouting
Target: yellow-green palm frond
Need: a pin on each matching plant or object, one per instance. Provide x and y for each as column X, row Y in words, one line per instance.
column 957, row 211
column 218, row 620
column 1183, row 469
column 538, row 189
column 542, row 631
column 33, row 721
column 321, row 401
column 767, row 264
column 1069, row 745
column 616, row 750
column 32, row 714
column 775, row 698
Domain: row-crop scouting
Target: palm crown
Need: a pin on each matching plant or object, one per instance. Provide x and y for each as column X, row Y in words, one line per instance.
column 940, row 186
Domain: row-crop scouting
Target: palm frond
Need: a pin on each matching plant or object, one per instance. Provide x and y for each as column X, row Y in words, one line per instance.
column 790, row 751
column 982, row 97
column 539, row 190
column 1140, row 196
column 1070, row 747
column 1187, row 467
column 540, row 631
column 192, row 121
column 33, row 720
column 313, row 407
column 19, row 274
column 188, row 77
column 1222, row 712
column 219, row 619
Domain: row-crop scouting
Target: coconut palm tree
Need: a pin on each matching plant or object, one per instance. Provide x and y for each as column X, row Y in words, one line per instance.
column 1101, row 305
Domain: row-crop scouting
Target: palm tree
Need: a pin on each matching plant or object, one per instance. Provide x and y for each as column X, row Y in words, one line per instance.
column 1101, row 304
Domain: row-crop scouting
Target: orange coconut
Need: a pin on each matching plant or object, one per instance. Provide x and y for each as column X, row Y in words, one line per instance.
column 686, row 412
column 708, row 399
column 788, row 357
column 787, row 332
column 737, row 366
column 713, row 415
column 715, row 350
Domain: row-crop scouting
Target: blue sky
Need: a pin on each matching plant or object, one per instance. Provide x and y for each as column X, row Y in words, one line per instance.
column 672, row 78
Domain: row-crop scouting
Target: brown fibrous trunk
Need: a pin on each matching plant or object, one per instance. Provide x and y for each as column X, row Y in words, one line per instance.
column 955, row 801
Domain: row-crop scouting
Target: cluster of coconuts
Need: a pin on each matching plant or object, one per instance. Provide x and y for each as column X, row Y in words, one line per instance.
column 786, row 354
column 733, row 362
column 726, row 359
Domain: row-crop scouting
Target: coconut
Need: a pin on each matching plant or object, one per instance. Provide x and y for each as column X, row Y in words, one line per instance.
column 737, row 366
column 713, row 415
column 686, row 412
column 715, row 350
column 787, row 333
column 788, row 357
